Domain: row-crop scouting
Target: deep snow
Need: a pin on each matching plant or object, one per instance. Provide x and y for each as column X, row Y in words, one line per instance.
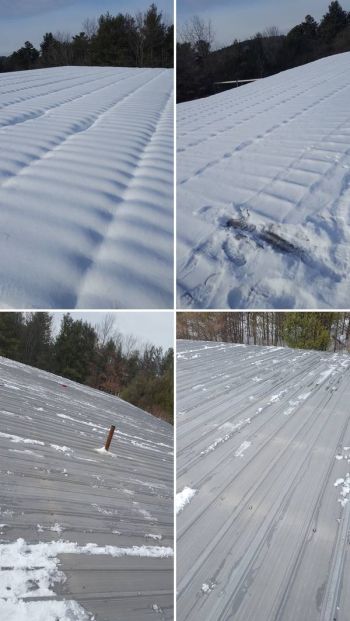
column 263, row 192
column 86, row 188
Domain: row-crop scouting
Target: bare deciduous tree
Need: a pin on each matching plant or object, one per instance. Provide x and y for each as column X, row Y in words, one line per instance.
column 90, row 27
column 106, row 330
column 195, row 30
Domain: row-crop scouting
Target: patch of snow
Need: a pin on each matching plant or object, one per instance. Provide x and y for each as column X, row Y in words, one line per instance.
column 242, row 448
column 62, row 449
column 102, row 510
column 26, row 452
column 325, row 375
column 48, row 610
column 146, row 514
column 103, row 451
column 183, row 498
column 277, row 397
column 345, row 489
column 16, row 439
column 207, row 588
column 232, row 429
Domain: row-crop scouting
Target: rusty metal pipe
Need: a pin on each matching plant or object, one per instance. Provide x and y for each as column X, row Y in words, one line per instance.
column 109, row 437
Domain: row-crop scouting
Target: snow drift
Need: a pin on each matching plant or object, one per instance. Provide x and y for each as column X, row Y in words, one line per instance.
column 264, row 192
column 86, row 188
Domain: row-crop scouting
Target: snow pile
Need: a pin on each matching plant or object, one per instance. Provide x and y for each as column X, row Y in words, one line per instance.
column 104, row 451
column 86, row 188
column 48, row 610
column 263, row 192
column 183, row 498
column 29, row 570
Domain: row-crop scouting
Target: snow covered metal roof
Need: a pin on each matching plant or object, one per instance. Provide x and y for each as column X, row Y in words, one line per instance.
column 84, row 534
column 263, row 192
column 86, row 188
column 263, row 454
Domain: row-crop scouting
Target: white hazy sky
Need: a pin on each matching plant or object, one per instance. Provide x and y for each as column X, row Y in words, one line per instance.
column 148, row 327
column 240, row 19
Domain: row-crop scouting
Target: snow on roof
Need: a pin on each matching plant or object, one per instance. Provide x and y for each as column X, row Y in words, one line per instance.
column 82, row 533
column 86, row 188
column 263, row 192
column 265, row 443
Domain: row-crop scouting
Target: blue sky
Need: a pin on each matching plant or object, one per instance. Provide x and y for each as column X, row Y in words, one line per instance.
column 23, row 20
column 242, row 18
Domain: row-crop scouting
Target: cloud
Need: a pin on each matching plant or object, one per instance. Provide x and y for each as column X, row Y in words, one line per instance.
column 26, row 8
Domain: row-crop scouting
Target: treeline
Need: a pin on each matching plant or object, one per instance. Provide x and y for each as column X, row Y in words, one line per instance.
column 317, row 330
column 99, row 357
column 143, row 40
column 266, row 53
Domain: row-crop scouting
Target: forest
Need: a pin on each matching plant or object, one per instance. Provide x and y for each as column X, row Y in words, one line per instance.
column 98, row 356
column 200, row 66
column 123, row 40
column 325, row 331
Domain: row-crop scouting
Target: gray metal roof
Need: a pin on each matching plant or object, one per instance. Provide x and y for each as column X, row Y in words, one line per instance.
column 263, row 437
column 60, row 488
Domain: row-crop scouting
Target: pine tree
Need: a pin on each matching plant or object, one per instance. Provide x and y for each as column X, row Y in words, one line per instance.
column 11, row 328
column 37, row 340
column 308, row 330
column 333, row 21
column 75, row 349
column 154, row 35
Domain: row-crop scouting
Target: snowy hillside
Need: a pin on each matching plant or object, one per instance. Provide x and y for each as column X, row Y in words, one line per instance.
column 86, row 188
column 82, row 532
column 264, row 192
column 263, row 454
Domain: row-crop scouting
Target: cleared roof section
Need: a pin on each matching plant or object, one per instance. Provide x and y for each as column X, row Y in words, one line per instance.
column 264, row 191
column 263, row 456
column 114, row 510
column 86, row 188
